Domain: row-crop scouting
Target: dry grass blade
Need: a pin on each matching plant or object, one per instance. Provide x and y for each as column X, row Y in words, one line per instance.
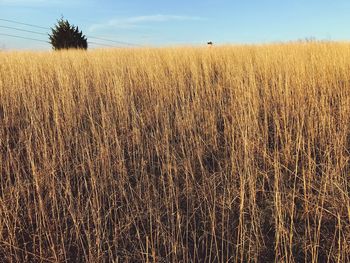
column 221, row 154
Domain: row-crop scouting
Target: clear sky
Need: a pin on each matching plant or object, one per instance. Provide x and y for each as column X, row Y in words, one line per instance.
column 162, row 22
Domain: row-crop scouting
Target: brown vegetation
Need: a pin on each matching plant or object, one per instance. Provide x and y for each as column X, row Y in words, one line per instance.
column 229, row 154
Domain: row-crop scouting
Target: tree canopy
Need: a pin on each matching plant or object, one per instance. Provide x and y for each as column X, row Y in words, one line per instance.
column 66, row 36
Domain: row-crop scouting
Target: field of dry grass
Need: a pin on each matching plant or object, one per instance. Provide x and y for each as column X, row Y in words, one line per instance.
column 223, row 154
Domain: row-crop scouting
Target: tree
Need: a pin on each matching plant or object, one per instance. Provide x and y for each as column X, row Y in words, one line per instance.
column 66, row 36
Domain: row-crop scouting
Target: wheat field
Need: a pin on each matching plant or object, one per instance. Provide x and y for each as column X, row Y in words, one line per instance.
column 221, row 154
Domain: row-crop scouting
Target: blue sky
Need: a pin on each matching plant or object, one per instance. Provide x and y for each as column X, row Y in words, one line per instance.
column 181, row 22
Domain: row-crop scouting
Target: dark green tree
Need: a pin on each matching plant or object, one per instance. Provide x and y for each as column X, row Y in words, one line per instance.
column 66, row 36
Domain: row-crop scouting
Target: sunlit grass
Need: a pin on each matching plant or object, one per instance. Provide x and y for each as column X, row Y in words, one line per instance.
column 222, row 154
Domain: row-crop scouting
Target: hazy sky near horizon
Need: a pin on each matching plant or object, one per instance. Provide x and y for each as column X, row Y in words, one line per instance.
column 192, row 22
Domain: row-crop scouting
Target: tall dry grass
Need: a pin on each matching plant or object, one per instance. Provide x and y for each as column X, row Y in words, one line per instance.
column 226, row 154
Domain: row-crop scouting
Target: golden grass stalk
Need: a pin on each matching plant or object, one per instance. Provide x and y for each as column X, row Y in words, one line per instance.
column 227, row 154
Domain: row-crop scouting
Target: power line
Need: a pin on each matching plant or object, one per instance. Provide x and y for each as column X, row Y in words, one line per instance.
column 28, row 38
column 93, row 37
column 114, row 41
column 96, row 43
column 34, row 39
column 23, row 30
column 21, row 23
